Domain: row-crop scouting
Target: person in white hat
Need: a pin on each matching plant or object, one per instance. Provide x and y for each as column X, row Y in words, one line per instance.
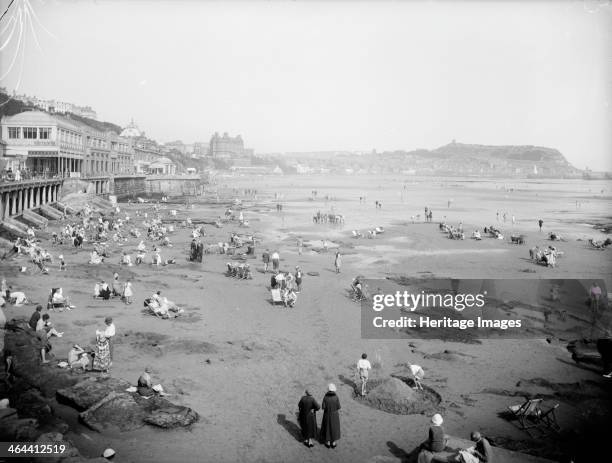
column 436, row 441
column 108, row 454
column 330, row 425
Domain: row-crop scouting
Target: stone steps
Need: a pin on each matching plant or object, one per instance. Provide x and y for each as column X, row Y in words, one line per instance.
column 35, row 219
column 50, row 212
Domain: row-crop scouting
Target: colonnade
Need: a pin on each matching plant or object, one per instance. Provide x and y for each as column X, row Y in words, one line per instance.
column 22, row 196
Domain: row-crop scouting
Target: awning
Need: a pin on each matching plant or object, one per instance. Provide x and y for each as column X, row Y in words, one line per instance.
column 42, row 154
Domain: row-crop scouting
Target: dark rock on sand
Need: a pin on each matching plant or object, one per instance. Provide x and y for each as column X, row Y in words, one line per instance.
column 90, row 391
column 172, row 417
column 116, row 409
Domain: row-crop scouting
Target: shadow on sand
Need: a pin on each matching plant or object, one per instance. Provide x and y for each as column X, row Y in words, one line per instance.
column 289, row 426
column 400, row 453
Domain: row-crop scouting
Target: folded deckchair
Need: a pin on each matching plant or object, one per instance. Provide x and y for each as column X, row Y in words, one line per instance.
column 548, row 419
column 528, row 414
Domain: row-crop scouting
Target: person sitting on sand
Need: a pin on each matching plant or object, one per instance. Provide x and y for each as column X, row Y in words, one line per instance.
column 436, row 441
column 18, row 296
column 78, row 358
column 105, row 291
column 476, row 235
column 289, row 297
column 156, row 259
column 44, row 331
column 58, row 297
column 140, row 257
column 481, row 452
column 35, row 317
column 116, row 286
column 95, row 258
column 145, row 386
column 125, row 259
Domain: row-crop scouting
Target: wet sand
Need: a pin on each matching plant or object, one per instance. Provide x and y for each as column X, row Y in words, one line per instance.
column 243, row 363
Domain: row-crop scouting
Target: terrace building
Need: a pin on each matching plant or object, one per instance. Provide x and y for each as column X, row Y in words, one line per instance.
column 44, row 144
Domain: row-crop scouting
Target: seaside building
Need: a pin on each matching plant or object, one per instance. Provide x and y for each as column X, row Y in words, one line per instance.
column 226, row 147
column 162, row 166
column 44, row 144
column 146, row 151
column 52, row 145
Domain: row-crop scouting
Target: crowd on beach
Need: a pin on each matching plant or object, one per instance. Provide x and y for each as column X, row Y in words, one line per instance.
column 115, row 228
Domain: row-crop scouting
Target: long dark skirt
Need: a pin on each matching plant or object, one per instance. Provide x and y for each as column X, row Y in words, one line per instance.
column 330, row 426
column 308, row 423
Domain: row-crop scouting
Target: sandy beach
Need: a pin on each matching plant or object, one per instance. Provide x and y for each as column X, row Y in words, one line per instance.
column 243, row 363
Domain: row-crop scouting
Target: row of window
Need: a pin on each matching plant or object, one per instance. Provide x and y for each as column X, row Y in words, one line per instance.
column 44, row 133
column 69, row 136
column 31, row 133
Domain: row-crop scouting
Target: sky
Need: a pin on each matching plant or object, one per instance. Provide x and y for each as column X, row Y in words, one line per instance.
column 336, row 75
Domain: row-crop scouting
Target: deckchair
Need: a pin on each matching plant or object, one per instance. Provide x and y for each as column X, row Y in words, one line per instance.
column 276, row 296
column 549, row 419
column 528, row 414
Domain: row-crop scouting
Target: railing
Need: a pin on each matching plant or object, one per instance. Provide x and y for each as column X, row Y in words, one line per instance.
column 29, row 181
column 10, row 177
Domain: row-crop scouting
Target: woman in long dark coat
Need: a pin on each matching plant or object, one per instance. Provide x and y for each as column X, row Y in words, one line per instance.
column 330, row 426
column 307, row 418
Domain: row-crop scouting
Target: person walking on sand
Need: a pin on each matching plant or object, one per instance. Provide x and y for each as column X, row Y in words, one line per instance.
column 128, row 293
column 338, row 261
column 265, row 257
column 298, row 279
column 330, row 425
column 363, row 370
column 307, row 417
column 275, row 261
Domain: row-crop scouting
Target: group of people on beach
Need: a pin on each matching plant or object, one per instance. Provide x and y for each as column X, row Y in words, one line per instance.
column 435, row 446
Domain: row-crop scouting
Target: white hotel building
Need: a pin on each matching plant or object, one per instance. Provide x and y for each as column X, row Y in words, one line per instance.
column 43, row 143
column 52, row 145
